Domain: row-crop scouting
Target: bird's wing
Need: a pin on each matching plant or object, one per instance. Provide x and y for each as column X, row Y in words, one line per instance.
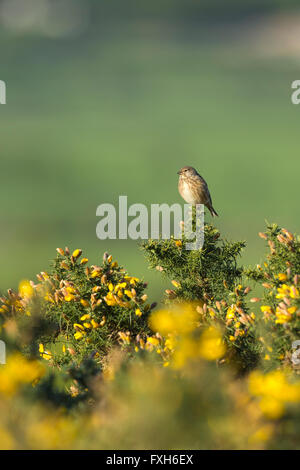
column 203, row 191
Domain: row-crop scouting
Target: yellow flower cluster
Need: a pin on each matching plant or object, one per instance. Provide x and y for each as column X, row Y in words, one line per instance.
column 287, row 291
column 19, row 371
column 18, row 301
column 88, row 323
column 275, row 391
column 44, row 353
column 181, row 339
column 181, row 319
column 123, row 293
column 236, row 317
column 287, row 308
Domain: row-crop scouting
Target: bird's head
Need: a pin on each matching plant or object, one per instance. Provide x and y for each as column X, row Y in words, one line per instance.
column 187, row 171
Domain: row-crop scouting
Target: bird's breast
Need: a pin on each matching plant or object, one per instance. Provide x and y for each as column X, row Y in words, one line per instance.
column 186, row 193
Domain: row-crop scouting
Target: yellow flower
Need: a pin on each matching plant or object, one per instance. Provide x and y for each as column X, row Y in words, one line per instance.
column 84, row 261
column 294, row 293
column 230, row 312
column 84, row 302
column 282, row 316
column 76, row 253
column 96, row 273
column 211, row 346
column 26, row 290
column 125, row 337
column 186, row 349
column 44, row 275
column 282, row 276
column 153, row 340
column 132, row 280
column 114, row 264
column 128, row 293
column 283, row 291
column 274, row 390
column 71, row 290
column 121, row 285
column 69, row 297
column 170, row 343
column 176, row 284
column 49, row 298
column 266, row 309
column 78, row 327
column 178, row 243
column 18, row 371
column 109, row 299
column 138, row 312
column 86, row 316
column 46, row 355
column 78, row 335
column 212, row 313
column 179, row 319
column 271, row 407
column 94, row 324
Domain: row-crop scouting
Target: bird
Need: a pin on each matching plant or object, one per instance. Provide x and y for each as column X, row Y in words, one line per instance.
column 193, row 188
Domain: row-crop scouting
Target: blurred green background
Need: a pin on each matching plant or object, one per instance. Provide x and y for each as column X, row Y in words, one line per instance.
column 112, row 98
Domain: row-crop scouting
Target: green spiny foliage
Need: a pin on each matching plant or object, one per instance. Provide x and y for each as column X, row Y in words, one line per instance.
column 212, row 279
column 203, row 274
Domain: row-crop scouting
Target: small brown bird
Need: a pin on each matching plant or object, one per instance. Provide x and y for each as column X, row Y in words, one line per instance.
column 193, row 188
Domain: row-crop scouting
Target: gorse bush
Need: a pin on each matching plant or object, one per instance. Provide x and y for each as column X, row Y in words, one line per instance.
column 85, row 308
column 280, row 304
column 212, row 280
column 213, row 368
column 201, row 275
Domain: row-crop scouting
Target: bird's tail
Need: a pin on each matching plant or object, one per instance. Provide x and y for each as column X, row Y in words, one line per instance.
column 213, row 212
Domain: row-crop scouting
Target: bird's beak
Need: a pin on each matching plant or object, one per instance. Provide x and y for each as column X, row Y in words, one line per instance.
column 178, row 172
